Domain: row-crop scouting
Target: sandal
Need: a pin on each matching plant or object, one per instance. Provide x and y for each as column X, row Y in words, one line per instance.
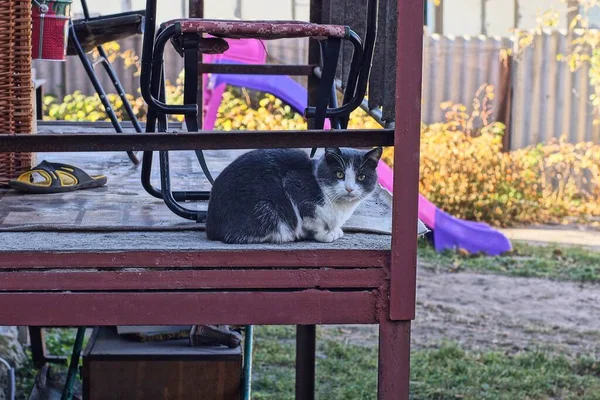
column 56, row 178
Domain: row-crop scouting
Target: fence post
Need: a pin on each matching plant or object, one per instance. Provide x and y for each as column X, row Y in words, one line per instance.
column 505, row 93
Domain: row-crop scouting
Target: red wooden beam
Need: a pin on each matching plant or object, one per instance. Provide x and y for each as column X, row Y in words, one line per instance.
column 406, row 159
column 224, row 279
column 177, row 308
column 196, row 259
column 394, row 360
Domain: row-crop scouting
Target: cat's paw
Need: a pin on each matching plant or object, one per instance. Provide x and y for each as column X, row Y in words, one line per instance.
column 338, row 233
column 325, row 237
column 329, row 236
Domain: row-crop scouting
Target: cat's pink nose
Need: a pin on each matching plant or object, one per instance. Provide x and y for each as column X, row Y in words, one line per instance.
column 349, row 190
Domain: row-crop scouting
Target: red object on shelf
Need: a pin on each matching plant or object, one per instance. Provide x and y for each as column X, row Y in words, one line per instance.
column 50, row 29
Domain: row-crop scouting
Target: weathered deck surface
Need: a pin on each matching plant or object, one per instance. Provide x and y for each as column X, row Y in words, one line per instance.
column 122, row 216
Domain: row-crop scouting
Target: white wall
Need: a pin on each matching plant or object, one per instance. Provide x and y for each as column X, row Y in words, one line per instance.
column 500, row 16
column 463, row 17
column 223, row 9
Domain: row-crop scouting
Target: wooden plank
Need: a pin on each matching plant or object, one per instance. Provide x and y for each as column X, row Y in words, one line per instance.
column 376, row 82
column 394, row 360
column 203, row 140
column 356, row 19
column 389, row 31
column 337, row 16
column 196, row 259
column 191, row 280
column 406, row 160
column 176, row 308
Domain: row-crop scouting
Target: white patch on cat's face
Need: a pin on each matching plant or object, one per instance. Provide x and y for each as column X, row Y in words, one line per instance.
column 347, row 189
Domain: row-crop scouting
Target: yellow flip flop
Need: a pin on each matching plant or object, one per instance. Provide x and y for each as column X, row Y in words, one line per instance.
column 55, row 178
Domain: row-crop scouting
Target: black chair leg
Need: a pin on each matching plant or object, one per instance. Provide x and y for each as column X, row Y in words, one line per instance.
column 89, row 69
column 151, row 125
column 110, row 71
column 158, row 121
column 190, row 93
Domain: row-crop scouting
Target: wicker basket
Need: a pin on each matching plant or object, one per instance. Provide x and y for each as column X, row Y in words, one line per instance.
column 16, row 101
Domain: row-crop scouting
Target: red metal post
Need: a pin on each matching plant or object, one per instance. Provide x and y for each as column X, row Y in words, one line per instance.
column 406, row 159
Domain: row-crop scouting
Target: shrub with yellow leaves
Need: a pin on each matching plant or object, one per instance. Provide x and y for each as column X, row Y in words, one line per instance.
column 472, row 178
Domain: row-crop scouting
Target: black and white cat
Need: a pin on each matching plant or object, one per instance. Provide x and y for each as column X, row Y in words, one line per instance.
column 281, row 195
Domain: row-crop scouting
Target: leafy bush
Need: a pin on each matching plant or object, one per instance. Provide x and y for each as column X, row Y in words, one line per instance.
column 79, row 107
column 240, row 109
column 465, row 172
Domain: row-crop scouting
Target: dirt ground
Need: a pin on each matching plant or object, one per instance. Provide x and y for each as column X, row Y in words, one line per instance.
column 484, row 312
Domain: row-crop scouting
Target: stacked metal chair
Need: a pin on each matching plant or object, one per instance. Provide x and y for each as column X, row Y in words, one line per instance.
column 196, row 36
column 89, row 33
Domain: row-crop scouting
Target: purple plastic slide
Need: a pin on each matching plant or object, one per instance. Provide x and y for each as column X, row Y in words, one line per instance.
column 448, row 232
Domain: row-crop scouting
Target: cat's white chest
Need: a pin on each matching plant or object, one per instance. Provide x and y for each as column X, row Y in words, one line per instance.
column 335, row 214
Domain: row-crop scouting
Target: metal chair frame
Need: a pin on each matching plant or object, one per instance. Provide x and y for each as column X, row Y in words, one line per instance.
column 110, row 71
column 152, row 86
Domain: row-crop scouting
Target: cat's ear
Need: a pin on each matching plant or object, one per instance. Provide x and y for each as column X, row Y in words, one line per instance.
column 332, row 154
column 374, row 155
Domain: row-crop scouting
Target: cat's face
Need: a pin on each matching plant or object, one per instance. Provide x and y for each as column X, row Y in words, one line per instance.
column 348, row 175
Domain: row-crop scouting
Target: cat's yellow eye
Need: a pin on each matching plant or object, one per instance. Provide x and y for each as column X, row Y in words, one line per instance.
column 361, row 178
column 340, row 175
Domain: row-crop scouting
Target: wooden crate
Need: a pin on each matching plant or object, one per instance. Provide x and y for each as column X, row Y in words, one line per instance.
column 116, row 368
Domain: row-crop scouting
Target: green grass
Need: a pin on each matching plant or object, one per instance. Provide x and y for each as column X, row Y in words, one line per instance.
column 552, row 262
column 348, row 371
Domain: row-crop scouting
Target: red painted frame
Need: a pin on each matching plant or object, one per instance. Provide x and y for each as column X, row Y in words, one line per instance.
column 406, row 159
column 310, row 306
column 195, row 259
column 243, row 287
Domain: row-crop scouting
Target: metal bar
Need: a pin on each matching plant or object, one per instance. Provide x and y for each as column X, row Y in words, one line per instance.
column 110, row 71
column 12, row 385
column 305, row 361
column 38, row 346
column 258, row 69
column 183, row 308
column 331, row 51
column 406, row 160
column 247, row 383
column 193, row 258
column 204, row 140
column 375, row 113
column 89, row 69
column 67, row 393
column 167, row 193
